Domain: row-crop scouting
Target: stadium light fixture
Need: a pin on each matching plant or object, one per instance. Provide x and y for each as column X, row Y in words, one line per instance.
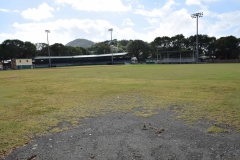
column 111, row 43
column 197, row 15
column 48, row 31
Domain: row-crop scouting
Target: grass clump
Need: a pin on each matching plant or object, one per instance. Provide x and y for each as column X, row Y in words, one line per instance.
column 216, row 130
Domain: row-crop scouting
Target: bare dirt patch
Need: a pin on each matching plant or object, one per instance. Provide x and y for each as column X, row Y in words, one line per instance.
column 125, row 136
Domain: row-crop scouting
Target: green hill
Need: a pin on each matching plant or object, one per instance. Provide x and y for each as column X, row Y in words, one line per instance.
column 80, row 43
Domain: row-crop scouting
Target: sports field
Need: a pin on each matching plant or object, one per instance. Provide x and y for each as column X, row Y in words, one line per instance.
column 34, row 102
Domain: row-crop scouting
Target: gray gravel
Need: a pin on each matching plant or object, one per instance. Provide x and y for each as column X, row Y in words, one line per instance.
column 127, row 137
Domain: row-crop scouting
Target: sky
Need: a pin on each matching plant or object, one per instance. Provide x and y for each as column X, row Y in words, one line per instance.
column 145, row 20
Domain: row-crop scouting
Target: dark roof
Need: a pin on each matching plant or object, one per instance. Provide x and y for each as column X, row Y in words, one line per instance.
column 81, row 56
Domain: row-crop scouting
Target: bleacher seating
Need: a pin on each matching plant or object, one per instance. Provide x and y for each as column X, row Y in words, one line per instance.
column 177, row 60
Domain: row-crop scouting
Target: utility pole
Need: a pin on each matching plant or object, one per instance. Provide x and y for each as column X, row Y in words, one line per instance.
column 48, row 31
column 111, row 43
column 197, row 15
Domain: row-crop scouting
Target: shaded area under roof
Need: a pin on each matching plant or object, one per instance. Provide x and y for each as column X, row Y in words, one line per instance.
column 188, row 51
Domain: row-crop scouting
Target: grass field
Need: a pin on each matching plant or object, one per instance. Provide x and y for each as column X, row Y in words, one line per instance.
column 34, row 102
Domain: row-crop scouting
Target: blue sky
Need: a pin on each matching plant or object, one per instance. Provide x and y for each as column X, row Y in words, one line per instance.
column 130, row 19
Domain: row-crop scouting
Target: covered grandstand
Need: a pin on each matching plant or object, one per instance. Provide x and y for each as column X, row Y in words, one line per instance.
column 173, row 57
column 101, row 59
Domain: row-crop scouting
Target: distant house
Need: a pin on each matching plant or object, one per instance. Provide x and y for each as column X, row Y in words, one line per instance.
column 22, row 64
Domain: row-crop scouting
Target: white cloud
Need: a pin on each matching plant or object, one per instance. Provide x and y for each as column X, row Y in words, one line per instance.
column 225, row 22
column 4, row 10
column 64, row 31
column 37, row 14
column 209, row 1
column 127, row 22
column 179, row 22
column 193, row 2
column 96, row 5
column 7, row 10
column 167, row 20
column 166, row 9
column 199, row 2
column 140, row 6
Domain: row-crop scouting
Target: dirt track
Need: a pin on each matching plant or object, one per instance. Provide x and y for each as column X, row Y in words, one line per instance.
column 127, row 137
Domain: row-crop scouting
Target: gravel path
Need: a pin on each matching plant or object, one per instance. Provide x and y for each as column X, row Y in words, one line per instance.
column 127, row 137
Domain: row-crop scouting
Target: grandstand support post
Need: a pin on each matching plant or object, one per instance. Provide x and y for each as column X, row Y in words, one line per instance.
column 111, row 43
column 180, row 58
column 168, row 57
column 48, row 31
column 197, row 15
column 193, row 56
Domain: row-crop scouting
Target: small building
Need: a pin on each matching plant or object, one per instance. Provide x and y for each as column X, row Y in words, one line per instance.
column 6, row 64
column 22, row 64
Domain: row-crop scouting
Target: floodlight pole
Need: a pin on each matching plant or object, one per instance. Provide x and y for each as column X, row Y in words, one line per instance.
column 48, row 31
column 111, row 43
column 197, row 15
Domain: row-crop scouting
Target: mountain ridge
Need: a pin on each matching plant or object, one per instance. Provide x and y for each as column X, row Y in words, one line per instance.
column 80, row 43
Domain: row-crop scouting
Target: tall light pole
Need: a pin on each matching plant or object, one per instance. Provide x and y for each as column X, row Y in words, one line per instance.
column 197, row 15
column 111, row 42
column 48, row 31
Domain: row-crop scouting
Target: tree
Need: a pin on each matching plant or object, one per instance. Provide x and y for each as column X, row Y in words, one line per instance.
column 12, row 49
column 100, row 48
column 40, row 46
column 153, row 49
column 84, row 51
column 73, row 51
column 29, row 50
column 1, row 53
column 57, row 49
column 139, row 49
column 42, row 49
column 163, row 43
column 123, row 42
column 210, row 49
column 18, row 49
column 227, row 47
column 177, row 42
column 122, row 46
column 103, row 49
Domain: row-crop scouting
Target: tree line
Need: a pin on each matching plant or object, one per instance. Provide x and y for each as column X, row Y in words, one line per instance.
column 223, row 48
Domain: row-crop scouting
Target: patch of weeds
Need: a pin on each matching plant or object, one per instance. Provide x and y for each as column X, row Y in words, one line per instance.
column 149, row 126
column 159, row 130
column 57, row 130
column 144, row 113
column 216, row 130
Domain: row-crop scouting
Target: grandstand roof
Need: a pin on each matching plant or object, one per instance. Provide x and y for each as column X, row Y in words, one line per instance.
column 82, row 56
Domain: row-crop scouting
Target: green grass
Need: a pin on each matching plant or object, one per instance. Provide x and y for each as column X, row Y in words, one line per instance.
column 216, row 130
column 34, row 102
